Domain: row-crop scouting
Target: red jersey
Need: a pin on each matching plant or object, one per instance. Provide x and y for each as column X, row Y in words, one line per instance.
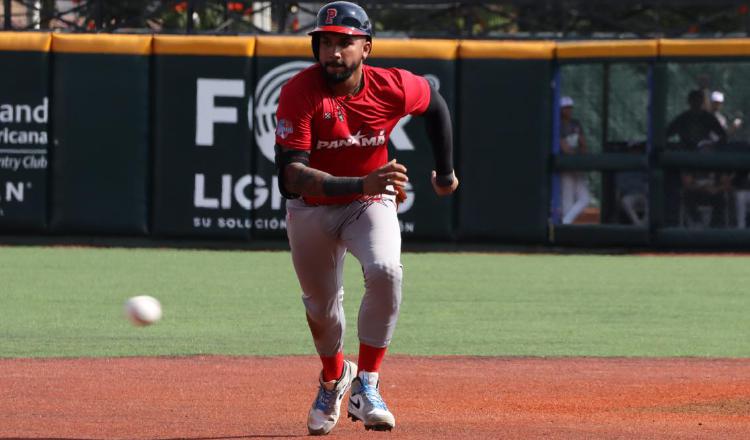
column 347, row 136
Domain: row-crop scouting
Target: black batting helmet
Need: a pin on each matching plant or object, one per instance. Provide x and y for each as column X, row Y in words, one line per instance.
column 343, row 18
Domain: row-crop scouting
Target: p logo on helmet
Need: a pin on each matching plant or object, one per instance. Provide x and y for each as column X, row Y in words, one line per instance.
column 332, row 12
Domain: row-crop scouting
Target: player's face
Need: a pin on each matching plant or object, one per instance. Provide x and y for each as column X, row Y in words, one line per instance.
column 341, row 55
column 566, row 112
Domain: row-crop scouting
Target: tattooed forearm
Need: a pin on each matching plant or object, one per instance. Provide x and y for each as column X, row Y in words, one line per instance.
column 306, row 181
column 303, row 180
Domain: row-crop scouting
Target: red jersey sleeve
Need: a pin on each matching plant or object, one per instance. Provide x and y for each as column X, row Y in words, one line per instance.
column 416, row 92
column 294, row 119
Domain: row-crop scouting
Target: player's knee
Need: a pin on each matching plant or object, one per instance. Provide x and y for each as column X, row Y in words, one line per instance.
column 383, row 273
column 317, row 314
column 383, row 283
column 323, row 308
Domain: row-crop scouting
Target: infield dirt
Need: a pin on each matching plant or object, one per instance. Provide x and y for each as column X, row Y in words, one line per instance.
column 216, row 397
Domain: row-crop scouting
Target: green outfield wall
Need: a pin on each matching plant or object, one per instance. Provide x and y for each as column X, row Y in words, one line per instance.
column 504, row 140
column 172, row 136
column 100, row 104
column 24, row 131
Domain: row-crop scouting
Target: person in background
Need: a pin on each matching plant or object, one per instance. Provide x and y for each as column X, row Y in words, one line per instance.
column 741, row 193
column 742, row 201
column 633, row 191
column 717, row 102
column 706, row 189
column 699, row 130
column 696, row 128
column 575, row 190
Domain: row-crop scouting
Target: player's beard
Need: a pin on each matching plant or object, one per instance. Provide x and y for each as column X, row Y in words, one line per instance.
column 341, row 76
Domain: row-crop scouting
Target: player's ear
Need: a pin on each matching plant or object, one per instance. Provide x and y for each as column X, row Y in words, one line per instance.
column 366, row 49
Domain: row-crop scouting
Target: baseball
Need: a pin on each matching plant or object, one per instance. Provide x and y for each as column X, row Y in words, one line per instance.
column 143, row 310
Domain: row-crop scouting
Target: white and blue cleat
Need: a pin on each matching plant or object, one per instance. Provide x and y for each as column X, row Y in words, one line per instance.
column 366, row 404
column 326, row 408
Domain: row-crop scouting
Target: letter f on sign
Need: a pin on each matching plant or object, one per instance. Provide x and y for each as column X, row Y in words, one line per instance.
column 207, row 113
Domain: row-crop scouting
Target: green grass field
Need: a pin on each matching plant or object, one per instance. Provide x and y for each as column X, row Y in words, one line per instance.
column 68, row 302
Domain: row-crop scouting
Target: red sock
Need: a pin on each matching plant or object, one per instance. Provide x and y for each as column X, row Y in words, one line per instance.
column 333, row 366
column 370, row 358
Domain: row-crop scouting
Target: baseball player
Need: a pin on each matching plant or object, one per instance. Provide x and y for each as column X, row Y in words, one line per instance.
column 333, row 123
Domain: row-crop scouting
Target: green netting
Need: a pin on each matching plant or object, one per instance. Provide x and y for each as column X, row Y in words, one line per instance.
column 628, row 102
column 627, row 93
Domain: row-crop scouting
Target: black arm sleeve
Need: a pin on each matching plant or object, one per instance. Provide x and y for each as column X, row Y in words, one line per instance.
column 343, row 186
column 440, row 132
column 284, row 158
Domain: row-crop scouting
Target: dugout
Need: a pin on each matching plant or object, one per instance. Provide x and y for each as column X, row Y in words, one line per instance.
column 627, row 94
column 609, row 84
column 688, row 216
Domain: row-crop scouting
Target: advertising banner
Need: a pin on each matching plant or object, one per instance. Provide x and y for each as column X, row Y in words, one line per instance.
column 100, row 114
column 24, row 136
column 203, row 185
column 424, row 214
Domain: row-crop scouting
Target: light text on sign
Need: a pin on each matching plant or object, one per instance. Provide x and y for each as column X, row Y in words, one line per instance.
column 14, row 191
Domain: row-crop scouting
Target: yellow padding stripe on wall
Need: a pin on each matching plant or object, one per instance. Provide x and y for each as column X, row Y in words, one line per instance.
column 25, row 41
column 102, row 43
column 607, row 49
column 288, row 46
column 204, row 45
column 533, row 50
column 432, row 49
column 271, row 46
column 705, row 48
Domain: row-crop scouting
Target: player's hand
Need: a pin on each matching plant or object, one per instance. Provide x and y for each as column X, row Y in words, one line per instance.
column 444, row 190
column 400, row 195
column 390, row 174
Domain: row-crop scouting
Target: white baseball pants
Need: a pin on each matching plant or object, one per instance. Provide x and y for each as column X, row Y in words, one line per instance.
column 575, row 195
column 319, row 237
